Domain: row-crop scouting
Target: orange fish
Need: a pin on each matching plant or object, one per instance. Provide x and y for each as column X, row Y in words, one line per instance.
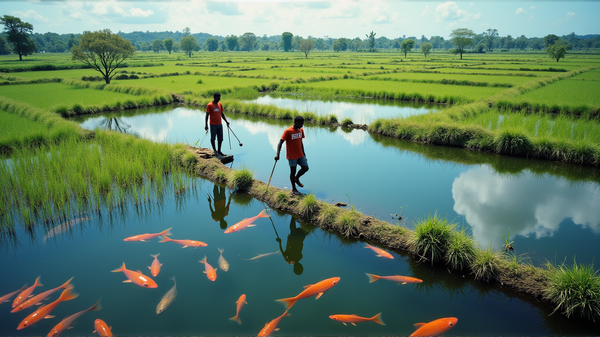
column 380, row 252
column 185, row 243
column 136, row 277
column 352, row 319
column 310, row 290
column 147, row 236
column 240, row 303
column 272, row 325
column 434, row 328
column 396, row 278
column 210, row 272
column 247, row 222
column 40, row 297
column 6, row 297
column 155, row 266
column 44, row 311
column 102, row 328
column 26, row 293
column 67, row 321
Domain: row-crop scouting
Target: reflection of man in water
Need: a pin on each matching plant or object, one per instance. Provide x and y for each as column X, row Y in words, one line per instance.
column 221, row 209
column 293, row 247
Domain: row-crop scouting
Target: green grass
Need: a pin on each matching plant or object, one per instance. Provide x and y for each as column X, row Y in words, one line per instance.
column 575, row 290
column 432, row 238
column 461, row 250
column 309, row 206
column 241, row 179
column 486, row 264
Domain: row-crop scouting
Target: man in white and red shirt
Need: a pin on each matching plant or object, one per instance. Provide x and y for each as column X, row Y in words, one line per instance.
column 214, row 110
column 294, row 152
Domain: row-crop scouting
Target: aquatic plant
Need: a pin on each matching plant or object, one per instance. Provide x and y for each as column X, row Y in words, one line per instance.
column 575, row 290
column 486, row 264
column 241, row 179
column 188, row 160
column 461, row 250
column 309, row 205
column 507, row 243
column 513, row 142
column 432, row 237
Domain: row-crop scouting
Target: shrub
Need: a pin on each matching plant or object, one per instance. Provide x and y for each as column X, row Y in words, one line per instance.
column 486, row 264
column 241, row 179
column 432, row 237
column 461, row 250
column 309, row 206
column 512, row 142
column 348, row 222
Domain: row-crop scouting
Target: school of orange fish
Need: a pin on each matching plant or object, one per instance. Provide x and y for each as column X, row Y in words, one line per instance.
column 25, row 299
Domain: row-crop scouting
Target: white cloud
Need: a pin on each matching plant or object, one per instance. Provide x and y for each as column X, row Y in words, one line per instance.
column 533, row 8
column 31, row 14
column 426, row 11
column 571, row 15
column 450, row 11
column 520, row 11
column 138, row 12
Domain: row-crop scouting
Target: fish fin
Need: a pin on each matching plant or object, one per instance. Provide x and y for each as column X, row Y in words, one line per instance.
column 220, row 250
column 288, row 302
column 184, row 247
column 119, row 269
column 97, row 306
column 143, row 240
column 263, row 214
column 236, row 319
column 403, row 282
column 48, row 316
column 276, row 329
column 377, row 319
column 418, row 325
column 320, row 294
column 166, row 231
column 379, row 255
column 372, row 277
column 37, row 282
column 310, row 285
column 67, row 284
column 149, row 268
column 352, row 323
column 345, row 323
column 155, row 255
column 70, row 328
column 165, row 239
column 251, row 225
column 93, row 331
column 139, row 271
column 127, row 281
column 203, row 260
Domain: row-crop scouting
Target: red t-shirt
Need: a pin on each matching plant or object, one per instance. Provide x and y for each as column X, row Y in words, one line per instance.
column 293, row 142
column 214, row 111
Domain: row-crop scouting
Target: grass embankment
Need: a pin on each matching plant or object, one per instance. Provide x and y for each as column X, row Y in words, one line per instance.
column 75, row 176
column 571, row 290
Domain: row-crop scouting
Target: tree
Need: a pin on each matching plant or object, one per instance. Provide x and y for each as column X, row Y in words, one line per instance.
column 320, row 44
column 557, row 50
column 168, row 42
column 371, row 37
column 508, row 42
column 489, row 37
column 462, row 37
column 296, row 42
column 306, row 46
column 18, row 34
column 406, row 46
column 4, row 47
column 246, row 41
column 188, row 44
column 71, row 41
column 396, row 44
column 231, row 42
column 521, row 42
column 157, row 45
column 426, row 48
column 187, row 31
column 211, row 44
column 103, row 51
column 286, row 41
column 550, row 40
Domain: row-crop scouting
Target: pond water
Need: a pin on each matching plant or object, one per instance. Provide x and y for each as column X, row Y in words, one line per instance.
column 551, row 211
column 360, row 111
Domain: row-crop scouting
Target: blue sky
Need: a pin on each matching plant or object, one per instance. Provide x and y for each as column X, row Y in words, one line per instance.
column 338, row 18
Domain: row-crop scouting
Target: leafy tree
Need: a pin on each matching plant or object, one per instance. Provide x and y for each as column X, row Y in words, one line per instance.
column 157, row 45
column 231, row 42
column 550, row 40
column 371, row 37
column 246, row 41
column 18, row 34
column 436, row 41
column 406, row 46
column 168, row 42
column 187, row 31
column 103, row 51
column 489, row 37
column 286, row 41
column 265, row 46
column 356, row 44
column 462, row 37
column 536, row 43
column 557, row 50
column 212, row 44
column 521, row 42
column 396, row 44
column 71, row 41
column 508, row 42
column 480, row 47
column 296, row 42
column 426, row 48
column 188, row 44
column 306, row 45
column 340, row 44
column 177, row 47
column 320, row 44
column 4, row 47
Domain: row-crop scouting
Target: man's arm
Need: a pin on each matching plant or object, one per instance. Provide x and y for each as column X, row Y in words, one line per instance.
column 278, row 149
column 225, row 119
column 206, row 122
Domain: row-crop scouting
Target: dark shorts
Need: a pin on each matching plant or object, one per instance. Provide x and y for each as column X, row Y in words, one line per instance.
column 302, row 161
column 216, row 131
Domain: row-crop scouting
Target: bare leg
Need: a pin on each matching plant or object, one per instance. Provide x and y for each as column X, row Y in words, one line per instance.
column 303, row 169
column 293, row 178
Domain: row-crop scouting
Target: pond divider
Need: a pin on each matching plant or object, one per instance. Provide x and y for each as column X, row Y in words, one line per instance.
column 501, row 270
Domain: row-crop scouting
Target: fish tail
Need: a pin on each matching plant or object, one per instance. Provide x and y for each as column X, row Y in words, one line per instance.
column 372, row 278
column 120, row 269
column 220, row 250
column 165, row 239
column 288, row 302
column 203, row 260
column 263, row 214
column 236, row 319
column 95, row 307
column 37, row 282
column 67, row 295
column 166, row 231
column 377, row 319
column 67, row 284
column 155, row 256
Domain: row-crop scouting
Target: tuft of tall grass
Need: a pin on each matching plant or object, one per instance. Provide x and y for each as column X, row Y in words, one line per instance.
column 513, row 142
column 188, row 160
column 327, row 215
column 461, row 250
column 575, row 290
column 432, row 237
column 309, row 206
column 347, row 221
column 486, row 264
column 220, row 175
column 281, row 198
column 241, row 179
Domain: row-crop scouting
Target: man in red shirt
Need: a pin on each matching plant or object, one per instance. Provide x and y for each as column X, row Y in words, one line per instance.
column 294, row 152
column 214, row 110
